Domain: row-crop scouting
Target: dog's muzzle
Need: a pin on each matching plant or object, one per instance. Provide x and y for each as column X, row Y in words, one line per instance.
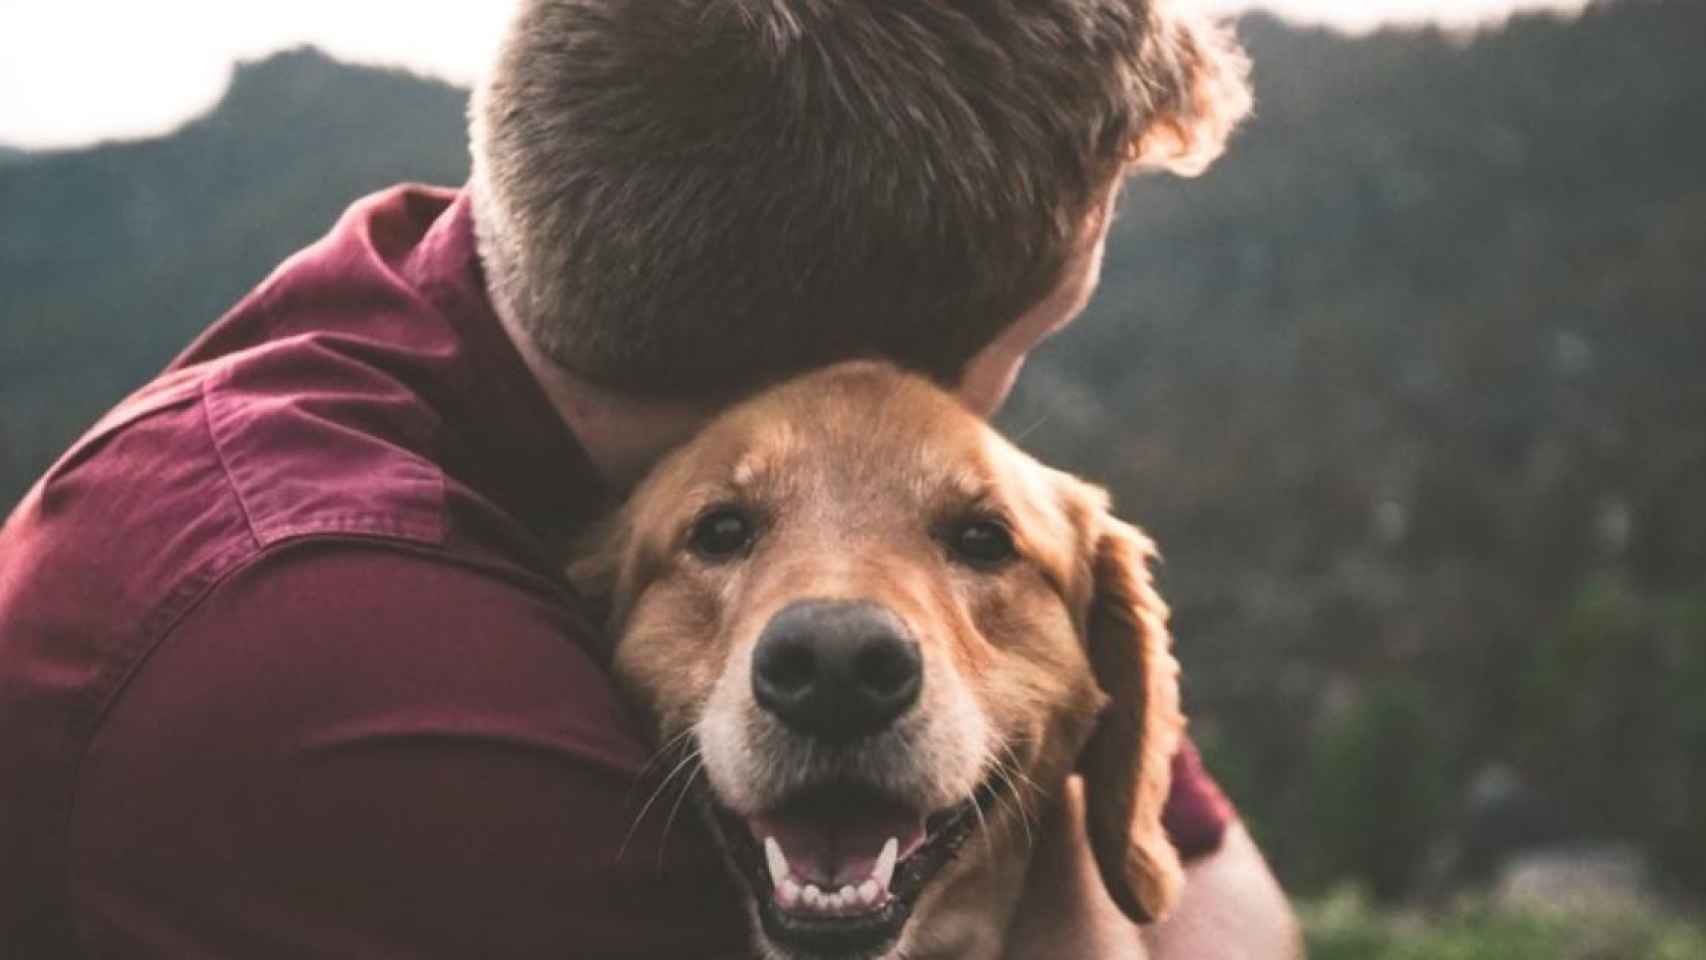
column 837, row 865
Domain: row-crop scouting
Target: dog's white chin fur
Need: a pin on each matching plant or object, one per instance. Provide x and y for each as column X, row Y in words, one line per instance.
column 935, row 759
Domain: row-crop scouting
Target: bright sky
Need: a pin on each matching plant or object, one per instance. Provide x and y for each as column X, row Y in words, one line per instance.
column 76, row 71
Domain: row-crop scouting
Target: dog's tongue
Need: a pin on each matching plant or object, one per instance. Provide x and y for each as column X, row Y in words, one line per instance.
column 832, row 841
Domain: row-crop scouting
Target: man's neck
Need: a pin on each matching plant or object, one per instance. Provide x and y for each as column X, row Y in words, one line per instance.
column 623, row 434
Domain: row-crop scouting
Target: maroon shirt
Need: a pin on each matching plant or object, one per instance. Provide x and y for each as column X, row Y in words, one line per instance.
column 286, row 667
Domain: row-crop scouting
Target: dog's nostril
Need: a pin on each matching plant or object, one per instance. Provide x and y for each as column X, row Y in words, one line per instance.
column 790, row 669
column 885, row 666
column 836, row 670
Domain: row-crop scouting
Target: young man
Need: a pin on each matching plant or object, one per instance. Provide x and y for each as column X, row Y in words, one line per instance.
column 286, row 666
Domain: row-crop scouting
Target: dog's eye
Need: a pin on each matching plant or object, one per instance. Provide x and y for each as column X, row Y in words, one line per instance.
column 981, row 543
column 721, row 535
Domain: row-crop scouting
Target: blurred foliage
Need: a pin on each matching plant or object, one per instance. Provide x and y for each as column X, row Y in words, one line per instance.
column 1342, row 926
column 1409, row 386
column 1378, row 775
column 1618, row 695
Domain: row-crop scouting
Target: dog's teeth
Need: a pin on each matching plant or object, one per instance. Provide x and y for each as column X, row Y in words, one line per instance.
column 884, row 872
column 778, row 862
column 792, row 895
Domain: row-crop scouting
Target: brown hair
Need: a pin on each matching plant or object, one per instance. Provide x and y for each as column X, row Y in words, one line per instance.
column 689, row 196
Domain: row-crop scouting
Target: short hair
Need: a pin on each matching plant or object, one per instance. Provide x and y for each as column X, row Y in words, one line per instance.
column 679, row 197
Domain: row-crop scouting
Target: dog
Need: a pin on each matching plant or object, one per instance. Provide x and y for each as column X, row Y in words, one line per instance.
column 882, row 639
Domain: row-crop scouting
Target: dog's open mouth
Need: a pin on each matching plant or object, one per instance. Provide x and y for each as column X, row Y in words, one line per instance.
column 836, row 870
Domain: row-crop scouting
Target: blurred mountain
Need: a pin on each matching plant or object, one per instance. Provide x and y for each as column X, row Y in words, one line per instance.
column 113, row 258
column 11, row 155
column 1411, row 387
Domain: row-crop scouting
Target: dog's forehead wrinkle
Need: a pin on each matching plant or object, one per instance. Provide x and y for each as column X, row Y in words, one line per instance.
column 870, row 442
column 883, row 508
column 766, row 454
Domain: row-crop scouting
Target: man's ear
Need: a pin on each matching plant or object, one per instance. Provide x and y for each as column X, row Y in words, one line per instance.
column 1128, row 762
column 1192, row 81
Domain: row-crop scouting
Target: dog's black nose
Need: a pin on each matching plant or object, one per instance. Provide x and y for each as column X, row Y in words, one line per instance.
column 836, row 670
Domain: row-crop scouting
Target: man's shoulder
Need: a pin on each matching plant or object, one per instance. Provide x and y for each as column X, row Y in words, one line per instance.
column 217, row 462
column 363, row 391
column 314, row 439
column 169, row 494
column 135, row 506
column 301, row 437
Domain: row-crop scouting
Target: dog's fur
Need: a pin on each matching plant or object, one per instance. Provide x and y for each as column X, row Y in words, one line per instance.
column 1055, row 662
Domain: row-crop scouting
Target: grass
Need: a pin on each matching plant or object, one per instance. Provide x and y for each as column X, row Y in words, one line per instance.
column 1342, row 926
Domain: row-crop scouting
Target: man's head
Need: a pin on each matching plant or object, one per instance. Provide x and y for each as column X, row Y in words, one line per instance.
column 697, row 197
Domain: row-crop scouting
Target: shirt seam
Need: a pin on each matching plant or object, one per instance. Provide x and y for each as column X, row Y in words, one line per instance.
column 225, row 466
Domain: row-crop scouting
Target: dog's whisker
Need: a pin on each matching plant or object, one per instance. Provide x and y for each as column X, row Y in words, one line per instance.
column 1027, row 817
column 1012, row 771
column 1002, row 775
column 1033, row 428
column 992, row 764
column 1028, row 813
column 983, row 828
column 1017, row 767
column 686, row 788
column 653, row 799
column 663, row 754
column 1019, row 805
column 676, row 742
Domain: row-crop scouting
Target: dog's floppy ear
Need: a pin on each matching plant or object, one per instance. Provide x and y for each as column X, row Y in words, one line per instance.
column 595, row 560
column 596, row 566
column 1128, row 762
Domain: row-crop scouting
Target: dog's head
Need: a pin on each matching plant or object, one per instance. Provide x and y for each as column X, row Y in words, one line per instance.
column 882, row 631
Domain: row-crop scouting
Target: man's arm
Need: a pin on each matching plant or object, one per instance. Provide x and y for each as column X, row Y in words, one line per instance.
column 351, row 751
column 1232, row 909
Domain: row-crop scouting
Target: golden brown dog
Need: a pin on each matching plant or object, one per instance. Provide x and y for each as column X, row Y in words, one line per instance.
column 882, row 639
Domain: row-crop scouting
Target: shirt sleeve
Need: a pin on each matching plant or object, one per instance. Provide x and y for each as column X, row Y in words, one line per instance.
column 349, row 750
column 1197, row 812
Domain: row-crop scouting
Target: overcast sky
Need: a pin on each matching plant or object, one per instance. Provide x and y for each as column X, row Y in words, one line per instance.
column 75, row 72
